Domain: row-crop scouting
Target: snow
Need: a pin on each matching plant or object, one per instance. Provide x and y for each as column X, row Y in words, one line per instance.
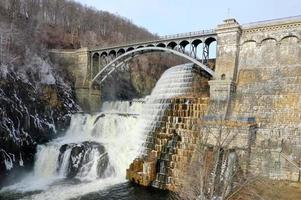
column 36, row 72
column 36, row 64
column 8, row 159
column 46, row 74
column 8, row 164
column 21, row 163
column 3, row 71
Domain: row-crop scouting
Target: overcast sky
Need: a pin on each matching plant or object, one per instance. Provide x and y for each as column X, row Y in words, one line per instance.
column 175, row 16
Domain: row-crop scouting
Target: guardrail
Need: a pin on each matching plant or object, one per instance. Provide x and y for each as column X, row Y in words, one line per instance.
column 189, row 34
column 165, row 37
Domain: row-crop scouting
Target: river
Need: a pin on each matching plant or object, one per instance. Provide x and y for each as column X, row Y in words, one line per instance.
column 121, row 191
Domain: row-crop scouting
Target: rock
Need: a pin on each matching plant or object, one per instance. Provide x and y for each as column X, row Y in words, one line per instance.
column 31, row 114
column 82, row 157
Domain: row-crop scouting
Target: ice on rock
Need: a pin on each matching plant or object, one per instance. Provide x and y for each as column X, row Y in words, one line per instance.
column 8, row 159
column 3, row 71
column 21, row 162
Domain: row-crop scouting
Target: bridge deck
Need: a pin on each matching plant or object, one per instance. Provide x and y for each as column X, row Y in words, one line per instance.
column 161, row 39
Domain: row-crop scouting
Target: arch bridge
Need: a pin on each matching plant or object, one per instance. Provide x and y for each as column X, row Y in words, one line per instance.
column 192, row 46
column 241, row 50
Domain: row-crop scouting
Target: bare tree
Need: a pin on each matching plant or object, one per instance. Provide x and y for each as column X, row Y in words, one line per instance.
column 215, row 170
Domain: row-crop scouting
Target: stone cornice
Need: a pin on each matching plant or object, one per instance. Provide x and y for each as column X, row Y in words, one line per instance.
column 229, row 25
column 271, row 27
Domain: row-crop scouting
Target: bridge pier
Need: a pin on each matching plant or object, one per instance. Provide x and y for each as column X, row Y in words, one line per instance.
column 228, row 37
column 223, row 86
column 77, row 63
column 88, row 98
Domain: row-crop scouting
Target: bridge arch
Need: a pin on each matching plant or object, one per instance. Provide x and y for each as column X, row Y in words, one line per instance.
column 210, row 48
column 198, row 45
column 184, row 43
column 209, row 40
column 119, row 61
column 120, row 52
column 112, row 53
column 103, row 54
column 196, row 42
column 189, row 48
column 129, row 49
column 161, row 45
column 95, row 63
column 172, row 45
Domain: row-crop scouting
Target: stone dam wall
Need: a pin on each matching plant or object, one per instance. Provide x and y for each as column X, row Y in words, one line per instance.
column 252, row 109
column 172, row 146
column 269, row 91
column 253, row 112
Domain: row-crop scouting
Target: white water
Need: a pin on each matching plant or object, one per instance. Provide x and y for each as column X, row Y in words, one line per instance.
column 66, row 159
column 114, row 131
column 121, row 127
column 46, row 162
column 176, row 81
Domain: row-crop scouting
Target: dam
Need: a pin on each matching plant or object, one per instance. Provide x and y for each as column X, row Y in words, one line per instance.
column 220, row 123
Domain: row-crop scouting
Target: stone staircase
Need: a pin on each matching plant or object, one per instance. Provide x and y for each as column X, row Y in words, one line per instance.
column 172, row 146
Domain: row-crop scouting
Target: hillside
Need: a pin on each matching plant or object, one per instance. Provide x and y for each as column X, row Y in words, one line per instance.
column 36, row 95
column 68, row 24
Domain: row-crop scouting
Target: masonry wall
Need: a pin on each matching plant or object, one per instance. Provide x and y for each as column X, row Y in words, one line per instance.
column 254, row 111
column 173, row 145
column 77, row 64
column 269, row 89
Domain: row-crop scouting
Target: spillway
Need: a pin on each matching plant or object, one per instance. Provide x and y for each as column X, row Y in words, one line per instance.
column 96, row 150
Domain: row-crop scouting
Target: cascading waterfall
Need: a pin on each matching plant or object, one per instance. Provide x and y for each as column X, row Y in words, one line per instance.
column 99, row 148
column 46, row 162
column 93, row 138
column 176, row 81
column 63, row 170
column 96, row 148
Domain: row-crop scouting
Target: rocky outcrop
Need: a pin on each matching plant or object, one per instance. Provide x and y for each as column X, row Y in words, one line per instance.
column 32, row 112
column 80, row 159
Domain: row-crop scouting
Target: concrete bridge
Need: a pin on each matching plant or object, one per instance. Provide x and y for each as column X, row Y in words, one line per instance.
column 106, row 60
column 237, row 46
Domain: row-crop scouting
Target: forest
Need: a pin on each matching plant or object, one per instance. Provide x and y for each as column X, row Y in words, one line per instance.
column 68, row 24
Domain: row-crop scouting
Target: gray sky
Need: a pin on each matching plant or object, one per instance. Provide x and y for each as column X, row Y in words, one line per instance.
column 175, row 16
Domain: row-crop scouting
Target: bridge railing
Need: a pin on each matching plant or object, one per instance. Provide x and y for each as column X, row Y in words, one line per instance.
column 165, row 37
column 189, row 34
